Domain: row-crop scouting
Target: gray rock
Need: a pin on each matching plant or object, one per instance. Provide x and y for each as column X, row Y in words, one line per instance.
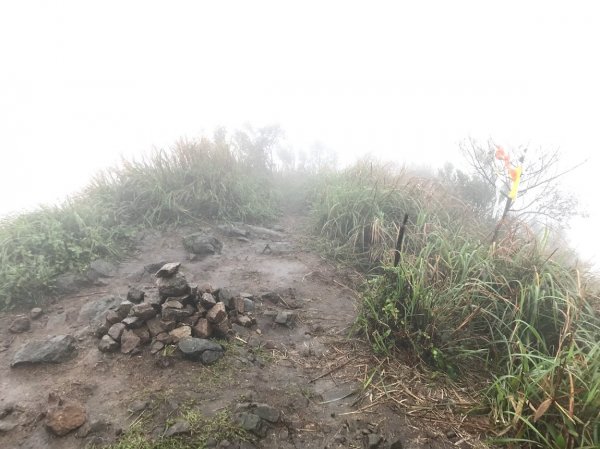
column 181, row 333
column 113, row 317
column 172, row 304
column 217, row 313
column 207, row 300
column 252, row 423
column 143, row 311
column 143, row 333
column 156, row 347
column 175, row 314
column 180, row 427
column 108, row 344
column 168, row 270
column 245, row 321
column 20, row 324
column 35, row 313
column 116, row 330
column 155, row 326
column 202, row 244
column 55, row 350
column 192, row 348
column 285, row 318
column 210, row 357
column 135, row 295
column 175, row 285
column 99, row 329
column 96, row 310
column 129, row 341
column 132, row 322
column 202, row 329
column 266, row 412
column 226, row 297
column 249, row 305
column 124, row 308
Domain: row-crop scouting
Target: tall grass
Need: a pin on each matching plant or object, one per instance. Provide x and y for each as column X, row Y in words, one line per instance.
column 510, row 310
column 192, row 182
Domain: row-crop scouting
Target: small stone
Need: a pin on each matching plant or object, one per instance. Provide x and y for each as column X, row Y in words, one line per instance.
column 143, row 333
column 175, row 315
column 156, row 347
column 181, row 333
column 223, row 329
column 217, row 313
column 62, row 419
column 35, row 313
column 191, row 320
column 135, row 295
column 99, row 329
column 284, row 318
column 226, row 297
column 155, row 327
column 181, row 427
column 129, row 341
column 143, row 311
column 116, row 330
column 245, row 321
column 20, row 324
column 267, row 412
column 113, row 317
column 238, row 304
column 202, row 329
column 108, row 344
column 168, row 325
column 249, row 305
column 252, row 423
column 168, row 270
column 207, row 300
column 124, row 308
column 172, row 304
column 176, row 285
column 164, row 338
column 132, row 322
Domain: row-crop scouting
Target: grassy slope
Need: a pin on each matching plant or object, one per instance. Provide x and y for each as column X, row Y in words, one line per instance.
column 520, row 315
column 193, row 182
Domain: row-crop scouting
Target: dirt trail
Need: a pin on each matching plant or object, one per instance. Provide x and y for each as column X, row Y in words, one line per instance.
column 306, row 371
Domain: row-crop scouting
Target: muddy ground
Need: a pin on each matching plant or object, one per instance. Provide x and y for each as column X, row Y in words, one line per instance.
column 309, row 371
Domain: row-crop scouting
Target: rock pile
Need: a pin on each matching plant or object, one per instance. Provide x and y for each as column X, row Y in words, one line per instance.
column 178, row 313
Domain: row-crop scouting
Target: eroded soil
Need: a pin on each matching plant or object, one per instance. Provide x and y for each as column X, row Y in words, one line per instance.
column 307, row 371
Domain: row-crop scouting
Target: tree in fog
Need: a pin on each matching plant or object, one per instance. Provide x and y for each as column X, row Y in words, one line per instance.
column 540, row 196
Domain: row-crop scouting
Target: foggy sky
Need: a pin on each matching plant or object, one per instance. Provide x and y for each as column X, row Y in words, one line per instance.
column 82, row 83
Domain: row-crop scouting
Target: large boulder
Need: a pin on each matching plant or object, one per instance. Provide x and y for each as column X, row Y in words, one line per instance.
column 55, row 350
column 202, row 244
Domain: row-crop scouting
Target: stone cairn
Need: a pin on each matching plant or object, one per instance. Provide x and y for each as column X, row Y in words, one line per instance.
column 181, row 314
